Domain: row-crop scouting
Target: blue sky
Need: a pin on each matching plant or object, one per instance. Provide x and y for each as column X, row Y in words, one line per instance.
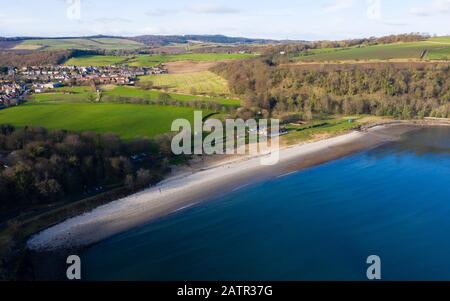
column 280, row 19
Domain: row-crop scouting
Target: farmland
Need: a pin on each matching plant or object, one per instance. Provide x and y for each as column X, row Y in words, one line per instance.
column 79, row 43
column 149, row 60
column 82, row 94
column 96, row 60
column 126, row 120
column 443, row 40
column 191, row 83
column 70, row 108
column 439, row 54
column 132, row 92
column 435, row 48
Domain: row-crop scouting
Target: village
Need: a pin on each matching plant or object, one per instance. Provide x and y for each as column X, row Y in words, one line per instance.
column 17, row 83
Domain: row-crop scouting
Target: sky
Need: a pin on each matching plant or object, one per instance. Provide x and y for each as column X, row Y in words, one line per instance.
column 280, row 19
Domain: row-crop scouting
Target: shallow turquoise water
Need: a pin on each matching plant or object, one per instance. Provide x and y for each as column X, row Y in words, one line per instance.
column 317, row 224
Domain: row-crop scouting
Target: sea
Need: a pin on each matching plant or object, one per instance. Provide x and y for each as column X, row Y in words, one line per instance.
column 321, row 223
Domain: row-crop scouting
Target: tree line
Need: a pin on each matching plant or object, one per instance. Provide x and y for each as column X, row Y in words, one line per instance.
column 385, row 89
column 38, row 166
column 27, row 58
column 165, row 99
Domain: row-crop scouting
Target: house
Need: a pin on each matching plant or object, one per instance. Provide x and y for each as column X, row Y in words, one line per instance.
column 52, row 85
column 12, row 71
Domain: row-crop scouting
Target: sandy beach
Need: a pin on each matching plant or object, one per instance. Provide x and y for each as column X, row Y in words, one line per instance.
column 185, row 190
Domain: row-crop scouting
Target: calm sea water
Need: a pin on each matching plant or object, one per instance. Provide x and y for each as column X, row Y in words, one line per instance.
column 317, row 224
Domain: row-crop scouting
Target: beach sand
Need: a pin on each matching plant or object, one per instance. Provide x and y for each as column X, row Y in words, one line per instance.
column 185, row 190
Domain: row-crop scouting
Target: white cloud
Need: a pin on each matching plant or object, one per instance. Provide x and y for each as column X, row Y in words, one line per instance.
column 8, row 21
column 435, row 8
column 196, row 9
column 338, row 5
column 107, row 20
column 161, row 12
column 395, row 23
column 212, row 9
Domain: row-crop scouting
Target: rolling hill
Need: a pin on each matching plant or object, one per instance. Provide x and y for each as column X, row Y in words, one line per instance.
column 433, row 49
column 126, row 120
column 148, row 60
column 78, row 43
column 120, row 43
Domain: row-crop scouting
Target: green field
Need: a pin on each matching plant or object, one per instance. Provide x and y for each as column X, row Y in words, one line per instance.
column 126, row 120
column 132, row 92
column 319, row 128
column 191, row 83
column 61, row 97
column 149, row 60
column 443, row 40
column 65, row 94
column 439, row 54
column 82, row 94
column 436, row 48
column 80, row 43
column 96, row 60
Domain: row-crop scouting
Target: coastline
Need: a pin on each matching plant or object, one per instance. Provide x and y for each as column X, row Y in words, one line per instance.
column 183, row 191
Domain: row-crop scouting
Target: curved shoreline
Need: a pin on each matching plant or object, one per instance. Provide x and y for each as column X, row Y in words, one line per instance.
column 180, row 192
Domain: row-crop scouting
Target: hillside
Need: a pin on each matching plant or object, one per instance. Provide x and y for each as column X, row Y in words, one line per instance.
column 146, row 121
column 152, row 60
column 120, row 43
column 79, row 43
column 219, row 39
column 433, row 49
column 33, row 58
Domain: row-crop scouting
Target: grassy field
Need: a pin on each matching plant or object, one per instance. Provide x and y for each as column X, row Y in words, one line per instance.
column 96, row 60
column 443, row 40
column 191, row 83
column 126, row 120
column 149, row 60
column 82, row 94
column 436, row 48
column 82, row 44
column 133, row 92
column 320, row 129
column 65, row 94
column 439, row 54
column 152, row 60
column 61, row 97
